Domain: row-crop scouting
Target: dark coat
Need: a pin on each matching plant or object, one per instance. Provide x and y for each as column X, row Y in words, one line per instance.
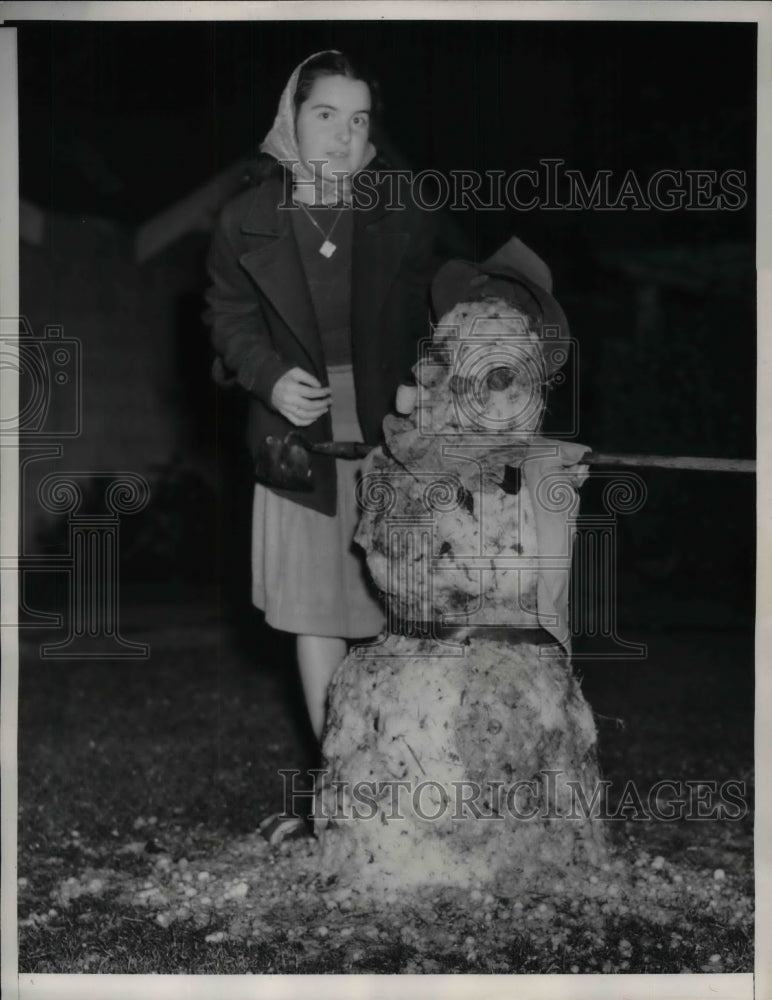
column 263, row 321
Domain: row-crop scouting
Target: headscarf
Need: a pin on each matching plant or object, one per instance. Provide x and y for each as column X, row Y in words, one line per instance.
column 282, row 143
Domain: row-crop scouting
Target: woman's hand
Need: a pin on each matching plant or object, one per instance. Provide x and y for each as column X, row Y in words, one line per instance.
column 300, row 397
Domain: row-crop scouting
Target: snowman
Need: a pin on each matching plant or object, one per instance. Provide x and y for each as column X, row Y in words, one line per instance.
column 468, row 523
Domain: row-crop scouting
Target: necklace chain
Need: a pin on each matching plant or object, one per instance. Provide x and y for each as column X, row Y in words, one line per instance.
column 328, row 248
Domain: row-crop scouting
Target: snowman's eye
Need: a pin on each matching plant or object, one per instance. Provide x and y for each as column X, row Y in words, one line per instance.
column 500, row 378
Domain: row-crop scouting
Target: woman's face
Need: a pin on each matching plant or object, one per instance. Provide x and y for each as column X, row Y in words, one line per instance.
column 333, row 125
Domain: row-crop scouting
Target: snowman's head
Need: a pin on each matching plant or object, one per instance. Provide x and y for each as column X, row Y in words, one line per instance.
column 484, row 372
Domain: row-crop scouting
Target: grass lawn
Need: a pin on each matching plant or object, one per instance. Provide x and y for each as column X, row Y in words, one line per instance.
column 124, row 764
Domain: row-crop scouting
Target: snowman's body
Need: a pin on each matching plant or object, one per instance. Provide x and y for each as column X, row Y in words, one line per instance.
column 448, row 546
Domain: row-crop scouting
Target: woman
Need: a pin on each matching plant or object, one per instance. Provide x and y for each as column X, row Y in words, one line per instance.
column 319, row 296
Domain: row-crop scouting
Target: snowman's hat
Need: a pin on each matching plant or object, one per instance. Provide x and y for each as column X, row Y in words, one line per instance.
column 511, row 266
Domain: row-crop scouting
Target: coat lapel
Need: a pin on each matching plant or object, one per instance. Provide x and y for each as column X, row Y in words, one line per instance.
column 379, row 243
column 276, row 267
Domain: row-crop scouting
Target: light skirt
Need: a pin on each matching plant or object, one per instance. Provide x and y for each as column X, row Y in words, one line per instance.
column 308, row 576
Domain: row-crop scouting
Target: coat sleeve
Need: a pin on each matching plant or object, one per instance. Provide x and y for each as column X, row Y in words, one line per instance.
column 240, row 335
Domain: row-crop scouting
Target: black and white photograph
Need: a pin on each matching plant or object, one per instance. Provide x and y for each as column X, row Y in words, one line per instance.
column 380, row 429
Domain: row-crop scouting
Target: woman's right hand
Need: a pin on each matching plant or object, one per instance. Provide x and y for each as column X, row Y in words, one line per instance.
column 300, row 397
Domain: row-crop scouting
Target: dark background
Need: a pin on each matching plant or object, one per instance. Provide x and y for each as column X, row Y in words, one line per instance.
column 121, row 120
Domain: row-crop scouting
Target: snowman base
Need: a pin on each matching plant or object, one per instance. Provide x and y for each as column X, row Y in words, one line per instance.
column 461, row 764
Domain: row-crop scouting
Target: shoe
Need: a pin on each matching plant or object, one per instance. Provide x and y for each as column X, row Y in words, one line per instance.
column 277, row 828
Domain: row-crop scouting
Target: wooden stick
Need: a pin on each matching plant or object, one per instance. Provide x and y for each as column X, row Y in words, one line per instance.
column 352, row 449
column 672, row 462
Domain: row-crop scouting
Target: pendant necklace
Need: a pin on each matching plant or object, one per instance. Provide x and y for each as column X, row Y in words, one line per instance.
column 328, row 248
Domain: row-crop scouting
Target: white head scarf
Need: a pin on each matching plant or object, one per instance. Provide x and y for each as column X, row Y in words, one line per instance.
column 282, row 142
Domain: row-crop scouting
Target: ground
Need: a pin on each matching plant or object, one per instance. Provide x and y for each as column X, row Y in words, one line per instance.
column 141, row 784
